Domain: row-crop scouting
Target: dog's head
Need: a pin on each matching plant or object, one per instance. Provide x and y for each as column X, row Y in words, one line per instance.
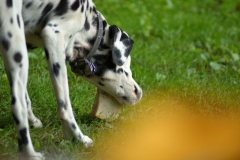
column 112, row 64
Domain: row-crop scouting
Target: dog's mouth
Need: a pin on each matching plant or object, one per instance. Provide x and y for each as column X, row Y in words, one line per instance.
column 82, row 67
column 78, row 66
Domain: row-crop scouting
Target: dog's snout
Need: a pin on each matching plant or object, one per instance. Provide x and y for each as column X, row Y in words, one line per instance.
column 138, row 92
column 135, row 90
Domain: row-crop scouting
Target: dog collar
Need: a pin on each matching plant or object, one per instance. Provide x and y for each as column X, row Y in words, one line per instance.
column 89, row 68
column 98, row 38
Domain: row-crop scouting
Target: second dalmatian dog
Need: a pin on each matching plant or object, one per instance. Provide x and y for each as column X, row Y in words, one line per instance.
column 68, row 30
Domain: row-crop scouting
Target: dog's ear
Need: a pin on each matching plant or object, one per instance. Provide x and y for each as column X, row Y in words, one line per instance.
column 122, row 45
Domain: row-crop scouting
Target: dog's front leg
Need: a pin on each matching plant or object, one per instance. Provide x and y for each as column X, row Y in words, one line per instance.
column 55, row 54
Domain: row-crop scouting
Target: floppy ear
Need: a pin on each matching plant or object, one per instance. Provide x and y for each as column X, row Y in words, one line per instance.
column 122, row 45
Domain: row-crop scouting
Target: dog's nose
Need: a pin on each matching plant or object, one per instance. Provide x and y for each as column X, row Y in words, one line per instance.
column 135, row 90
column 138, row 92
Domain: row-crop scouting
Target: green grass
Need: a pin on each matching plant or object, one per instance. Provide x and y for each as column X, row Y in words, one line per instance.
column 185, row 48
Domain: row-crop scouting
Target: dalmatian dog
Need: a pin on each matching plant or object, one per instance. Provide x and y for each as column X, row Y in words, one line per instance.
column 68, row 30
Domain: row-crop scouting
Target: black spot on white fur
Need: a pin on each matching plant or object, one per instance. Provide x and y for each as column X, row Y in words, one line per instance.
column 62, row 8
column 123, row 36
column 117, row 56
column 40, row 5
column 9, row 3
column 56, row 68
column 62, row 104
column 9, row 34
column 74, row 126
column 91, row 40
column 87, row 5
column 17, row 57
column 28, row 5
column 11, row 20
column 126, row 73
column 120, row 70
column 45, row 11
column 82, row 9
column 94, row 10
column 23, row 141
column 75, row 5
column 18, row 20
column 86, row 25
column 5, row 44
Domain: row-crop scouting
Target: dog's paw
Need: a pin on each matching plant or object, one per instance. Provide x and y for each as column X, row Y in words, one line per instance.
column 87, row 142
column 37, row 156
column 33, row 156
column 37, row 123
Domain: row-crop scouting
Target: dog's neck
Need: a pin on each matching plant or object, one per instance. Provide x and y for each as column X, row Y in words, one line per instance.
column 85, row 39
column 93, row 39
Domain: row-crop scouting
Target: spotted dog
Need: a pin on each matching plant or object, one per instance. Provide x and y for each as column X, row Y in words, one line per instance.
column 68, row 30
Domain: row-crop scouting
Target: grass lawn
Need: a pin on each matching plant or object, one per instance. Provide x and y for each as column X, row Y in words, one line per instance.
column 186, row 52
